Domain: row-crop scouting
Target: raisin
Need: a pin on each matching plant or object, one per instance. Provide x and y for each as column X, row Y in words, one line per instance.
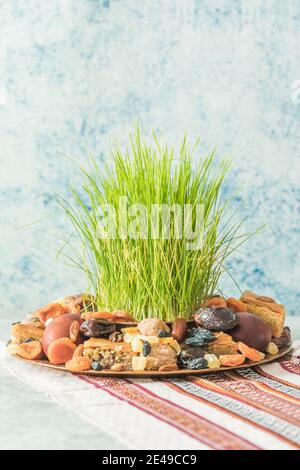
column 193, row 363
column 146, row 348
column 199, row 337
column 28, row 340
column 163, row 334
column 96, row 365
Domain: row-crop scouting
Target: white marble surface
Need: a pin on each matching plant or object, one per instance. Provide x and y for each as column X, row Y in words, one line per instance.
column 30, row 421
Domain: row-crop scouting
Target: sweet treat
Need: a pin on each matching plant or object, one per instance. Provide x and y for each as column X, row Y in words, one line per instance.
column 267, row 309
column 21, row 332
column 223, row 334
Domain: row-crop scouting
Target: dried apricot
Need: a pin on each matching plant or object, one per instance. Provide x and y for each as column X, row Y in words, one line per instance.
column 231, row 360
column 92, row 315
column 78, row 351
column 74, row 330
column 215, row 302
column 61, row 350
column 78, row 364
column 250, row 353
column 32, row 350
column 52, row 310
column 236, row 305
column 121, row 316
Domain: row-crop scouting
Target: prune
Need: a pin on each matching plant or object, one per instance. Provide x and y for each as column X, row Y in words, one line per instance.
column 97, row 328
column 192, row 352
column 146, row 348
column 193, row 363
column 163, row 334
column 284, row 339
column 216, row 319
column 96, row 365
column 199, row 337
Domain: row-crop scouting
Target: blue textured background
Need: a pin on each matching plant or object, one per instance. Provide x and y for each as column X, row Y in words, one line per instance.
column 76, row 72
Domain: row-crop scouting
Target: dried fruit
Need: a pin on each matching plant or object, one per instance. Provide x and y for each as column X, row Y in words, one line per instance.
column 139, row 363
column 32, row 350
column 231, row 360
column 53, row 310
column 216, row 301
column 272, row 348
column 192, row 352
column 212, row 361
column 284, row 339
column 97, row 328
column 250, row 353
column 97, row 315
column 236, row 305
column 133, row 330
column 74, row 331
column 60, row 328
column 137, row 345
column 78, row 351
column 216, row 319
column 199, row 337
column 193, row 363
column 146, row 348
column 61, row 351
column 96, row 365
column 163, row 334
column 179, row 329
column 120, row 316
column 78, row 364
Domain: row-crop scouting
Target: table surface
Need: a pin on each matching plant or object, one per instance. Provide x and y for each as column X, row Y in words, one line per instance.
column 30, row 421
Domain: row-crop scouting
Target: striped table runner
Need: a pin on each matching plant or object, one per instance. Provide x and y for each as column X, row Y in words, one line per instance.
column 248, row 409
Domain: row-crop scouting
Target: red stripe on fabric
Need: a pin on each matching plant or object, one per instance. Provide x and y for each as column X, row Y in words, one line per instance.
column 120, row 394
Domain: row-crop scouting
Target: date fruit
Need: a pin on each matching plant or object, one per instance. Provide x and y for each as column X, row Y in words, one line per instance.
column 179, row 329
column 97, row 328
column 252, row 331
column 216, row 319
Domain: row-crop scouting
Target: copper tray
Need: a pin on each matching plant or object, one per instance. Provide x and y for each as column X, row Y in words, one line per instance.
column 156, row 374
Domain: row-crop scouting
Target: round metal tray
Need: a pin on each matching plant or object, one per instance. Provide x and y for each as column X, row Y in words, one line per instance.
column 157, row 374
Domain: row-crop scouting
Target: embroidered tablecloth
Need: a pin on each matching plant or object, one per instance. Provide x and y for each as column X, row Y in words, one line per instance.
column 253, row 408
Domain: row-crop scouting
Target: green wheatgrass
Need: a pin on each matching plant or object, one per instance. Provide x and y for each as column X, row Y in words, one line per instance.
column 153, row 277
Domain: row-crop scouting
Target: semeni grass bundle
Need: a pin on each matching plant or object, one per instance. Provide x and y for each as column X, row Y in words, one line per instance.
column 136, row 250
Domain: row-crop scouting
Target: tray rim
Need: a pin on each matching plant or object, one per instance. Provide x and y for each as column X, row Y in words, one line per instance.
column 160, row 374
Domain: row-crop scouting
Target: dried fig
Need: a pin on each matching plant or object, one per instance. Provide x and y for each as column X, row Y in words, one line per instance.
column 97, row 328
